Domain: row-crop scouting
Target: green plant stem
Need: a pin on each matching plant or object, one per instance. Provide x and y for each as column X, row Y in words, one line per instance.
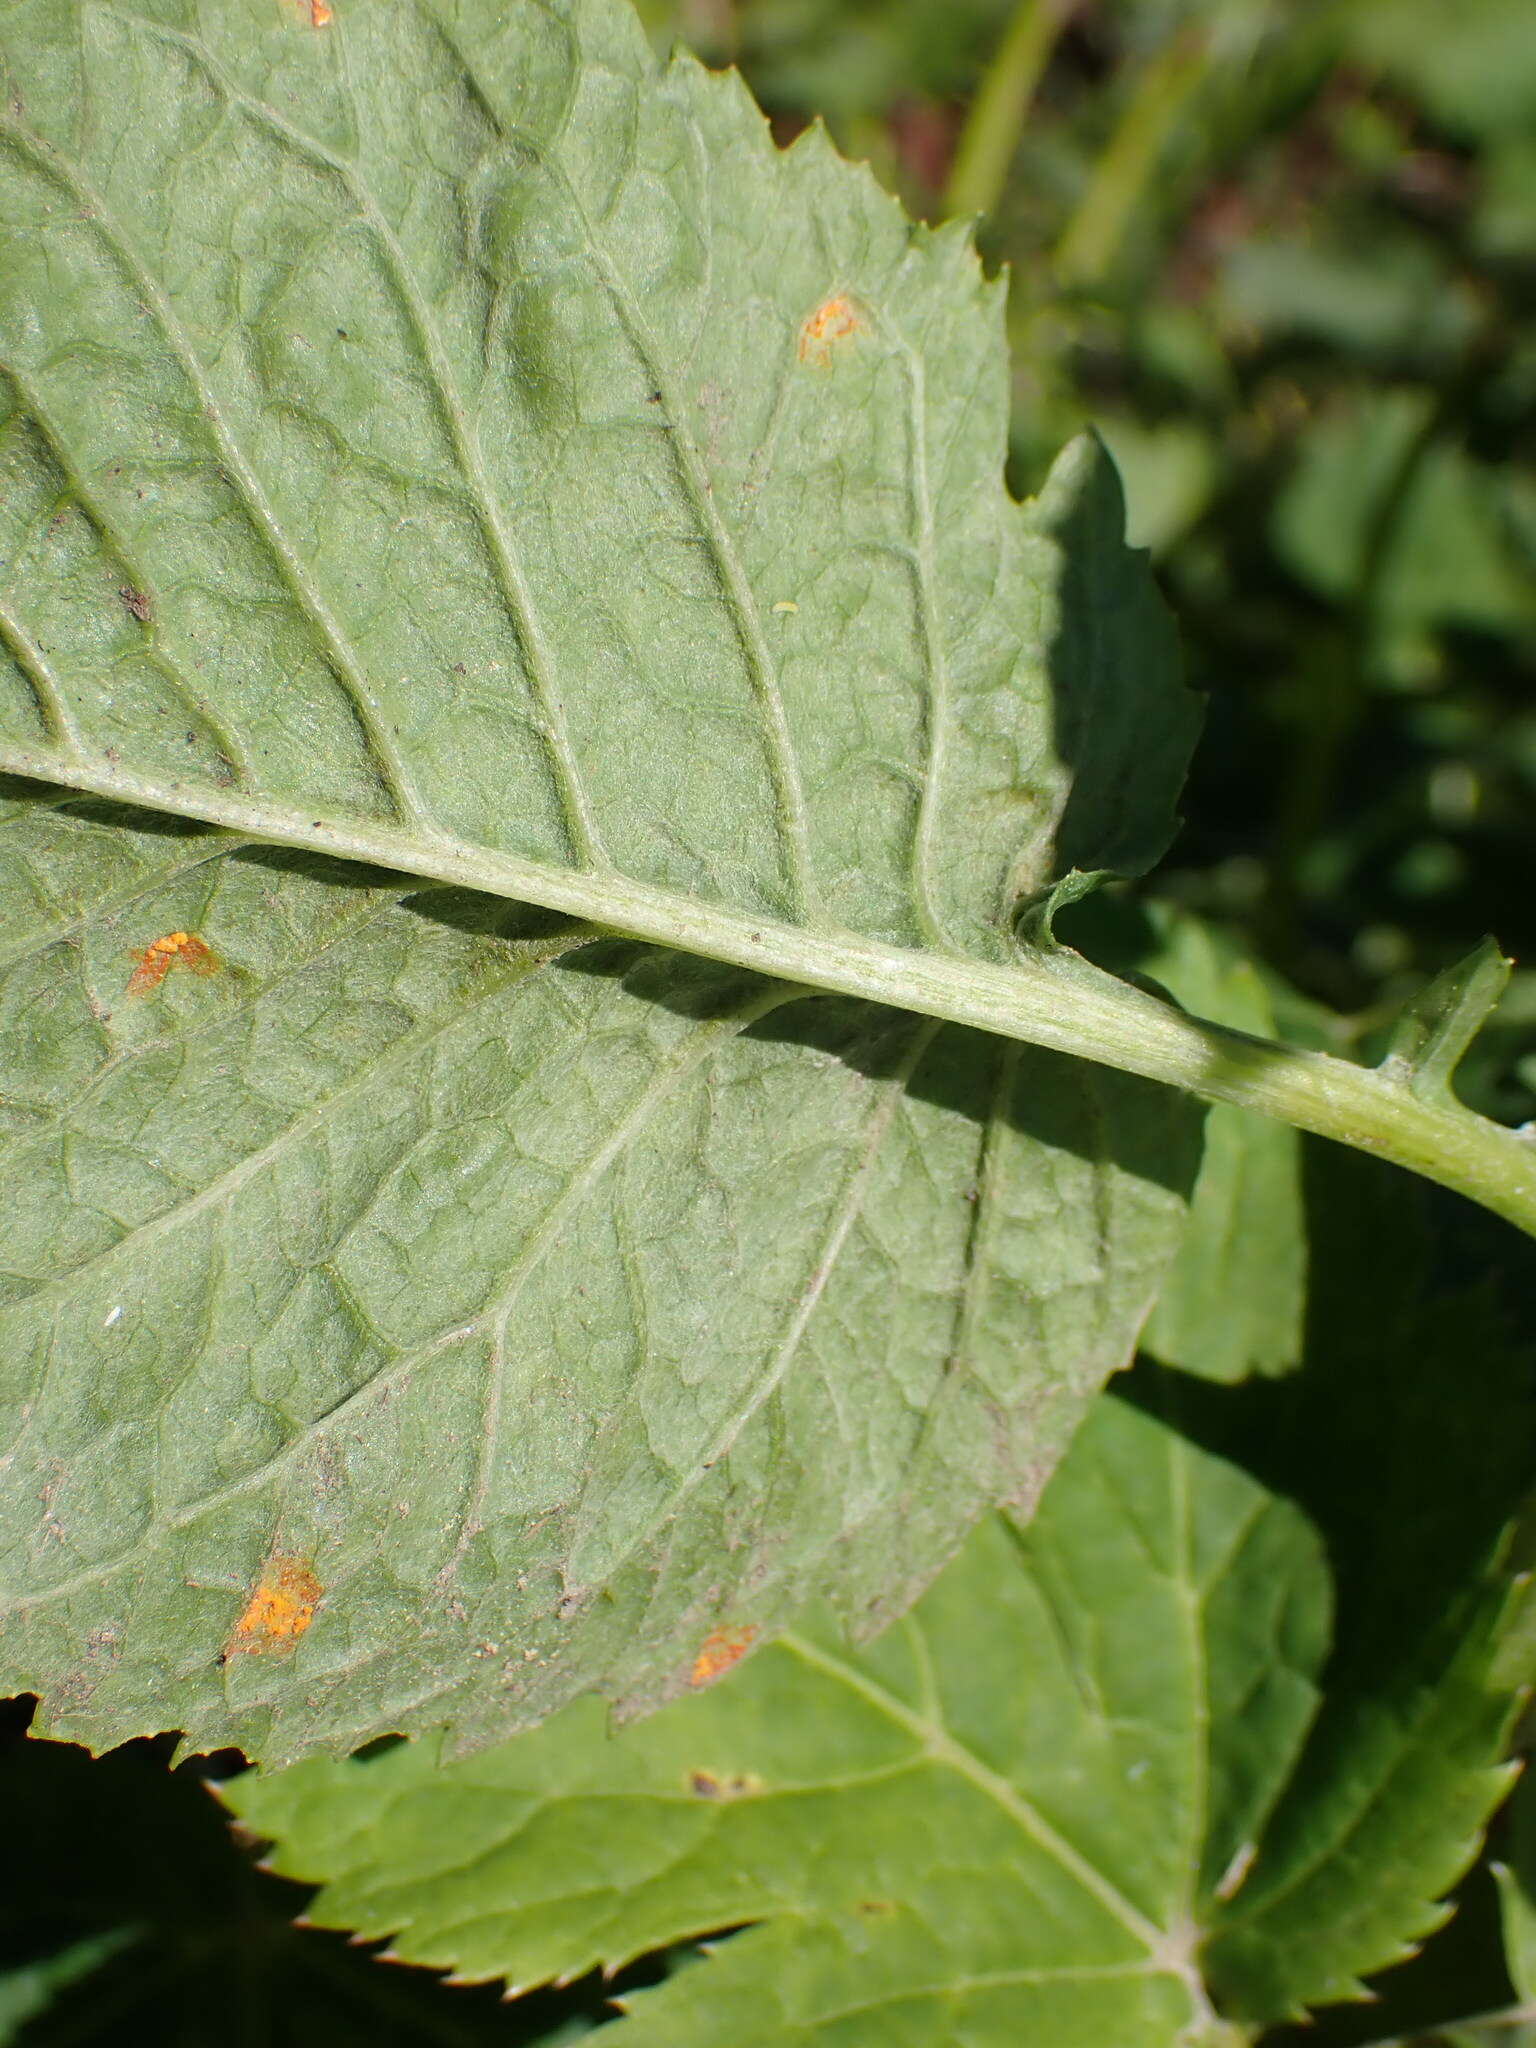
column 1049, row 997
column 996, row 117
column 1128, row 161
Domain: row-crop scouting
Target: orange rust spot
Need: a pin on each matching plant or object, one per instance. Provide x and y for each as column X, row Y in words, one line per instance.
column 319, row 14
column 720, row 1649
column 278, row 1611
column 161, row 955
column 837, row 319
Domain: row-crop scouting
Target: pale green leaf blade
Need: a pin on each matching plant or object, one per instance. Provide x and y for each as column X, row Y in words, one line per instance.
column 436, row 434
column 419, row 1309
column 439, row 434
column 999, row 1823
column 449, row 433
column 1436, row 1028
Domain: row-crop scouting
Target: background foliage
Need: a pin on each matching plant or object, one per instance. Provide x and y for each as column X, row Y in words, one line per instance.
column 1283, row 253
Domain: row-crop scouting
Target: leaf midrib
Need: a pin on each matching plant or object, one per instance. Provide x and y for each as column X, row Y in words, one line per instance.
column 1039, row 998
column 1036, row 998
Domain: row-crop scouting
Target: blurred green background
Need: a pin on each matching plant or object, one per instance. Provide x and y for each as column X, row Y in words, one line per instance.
column 1283, row 254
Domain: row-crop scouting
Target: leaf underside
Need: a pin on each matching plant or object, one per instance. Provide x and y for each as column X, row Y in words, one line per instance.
column 451, row 422
column 1109, row 1774
column 1001, row 1823
column 550, row 1300
column 444, row 429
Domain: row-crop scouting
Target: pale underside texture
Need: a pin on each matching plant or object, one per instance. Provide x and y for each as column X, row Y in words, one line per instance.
column 450, row 422
column 553, row 1299
column 446, row 430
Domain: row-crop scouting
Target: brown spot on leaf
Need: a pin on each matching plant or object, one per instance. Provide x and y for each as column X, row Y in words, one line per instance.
column 278, row 1612
column 836, row 319
column 707, row 1785
column 720, row 1649
column 161, row 955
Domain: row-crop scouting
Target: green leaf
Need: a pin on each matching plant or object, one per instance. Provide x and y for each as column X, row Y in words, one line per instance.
column 1405, row 301
column 1402, row 1380
column 1003, row 1822
column 1517, row 1893
column 151, row 1924
column 1329, row 519
column 448, row 437
column 1474, row 69
column 1435, row 1029
column 520, row 473
column 442, row 435
column 1379, row 508
column 1170, row 474
column 1106, row 1776
column 437, row 1309
column 28, row 1989
column 1235, row 1295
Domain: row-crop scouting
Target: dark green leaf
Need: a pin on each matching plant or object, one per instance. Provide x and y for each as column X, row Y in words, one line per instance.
column 1517, row 1892
column 1406, row 1438
column 1235, row 1295
column 27, row 1989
